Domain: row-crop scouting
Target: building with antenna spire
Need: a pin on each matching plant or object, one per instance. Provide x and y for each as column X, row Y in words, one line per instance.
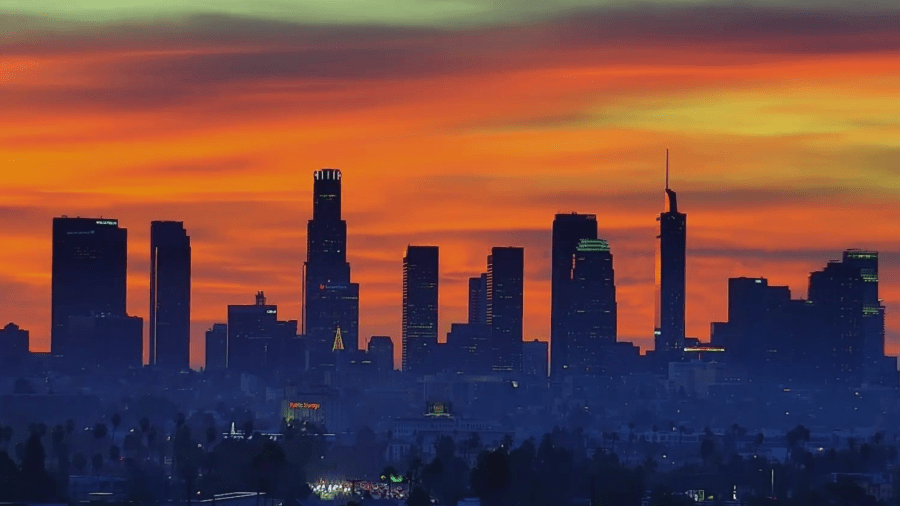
column 670, row 278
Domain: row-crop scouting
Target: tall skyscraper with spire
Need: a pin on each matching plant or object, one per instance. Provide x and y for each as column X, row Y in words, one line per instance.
column 568, row 232
column 670, row 277
column 330, row 299
column 170, row 295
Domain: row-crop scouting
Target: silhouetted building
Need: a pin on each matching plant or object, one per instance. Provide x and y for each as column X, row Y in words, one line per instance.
column 847, row 292
column 534, row 358
column 256, row 338
column 873, row 317
column 90, row 261
column 669, row 334
column 750, row 335
column 591, row 318
column 381, row 352
column 478, row 299
column 568, row 231
column 107, row 341
column 505, row 280
column 170, row 295
column 14, row 343
column 420, row 307
column 330, row 299
column 217, row 347
column 470, row 348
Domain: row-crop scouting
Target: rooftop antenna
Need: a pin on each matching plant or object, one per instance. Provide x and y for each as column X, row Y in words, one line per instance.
column 667, row 168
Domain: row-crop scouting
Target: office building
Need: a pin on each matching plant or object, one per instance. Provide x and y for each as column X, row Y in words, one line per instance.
column 381, row 352
column 14, row 343
column 256, row 338
column 470, row 348
column 505, row 286
column 568, row 232
column 420, row 307
column 592, row 313
column 872, row 319
column 330, row 299
column 478, row 299
column 216, row 347
column 90, row 261
column 106, row 341
column 170, row 296
column 534, row 358
column 669, row 333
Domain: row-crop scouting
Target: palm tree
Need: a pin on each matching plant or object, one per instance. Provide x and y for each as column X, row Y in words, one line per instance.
column 116, row 421
column 211, row 434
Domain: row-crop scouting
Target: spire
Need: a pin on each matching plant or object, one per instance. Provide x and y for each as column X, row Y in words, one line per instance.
column 338, row 341
column 670, row 194
column 667, row 168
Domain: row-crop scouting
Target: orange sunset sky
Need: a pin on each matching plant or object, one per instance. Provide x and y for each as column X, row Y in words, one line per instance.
column 459, row 124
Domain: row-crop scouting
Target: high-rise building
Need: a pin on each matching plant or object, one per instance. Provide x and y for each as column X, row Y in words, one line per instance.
column 873, row 314
column 420, row 307
column 505, row 287
column 14, row 343
column 90, row 261
column 534, row 361
column 669, row 334
column 331, row 301
column 107, row 341
column 381, row 351
column 470, row 348
column 216, row 347
column 591, row 319
column 170, row 295
column 568, row 231
column 478, row 299
column 256, row 338
column 847, row 292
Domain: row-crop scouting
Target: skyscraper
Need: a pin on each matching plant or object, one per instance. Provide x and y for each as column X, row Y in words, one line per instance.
column 873, row 313
column 170, row 295
column 669, row 334
column 330, row 299
column 568, row 231
column 478, row 299
column 420, row 307
column 505, row 286
column 534, row 359
column 592, row 315
column 381, row 351
column 90, row 261
column 256, row 339
column 216, row 347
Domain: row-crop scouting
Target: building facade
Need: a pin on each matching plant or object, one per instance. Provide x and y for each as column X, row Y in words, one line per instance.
column 170, row 295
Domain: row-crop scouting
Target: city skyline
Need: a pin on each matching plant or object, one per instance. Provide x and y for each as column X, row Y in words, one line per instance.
column 439, row 124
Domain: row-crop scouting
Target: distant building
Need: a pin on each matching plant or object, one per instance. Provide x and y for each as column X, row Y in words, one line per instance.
column 381, row 352
column 330, row 299
column 534, row 358
column 568, row 232
column 873, row 318
column 217, row 347
column 478, row 299
column 170, row 295
column 14, row 343
column 90, row 260
column 505, row 280
column 669, row 338
column 470, row 348
column 420, row 307
column 592, row 312
column 256, row 337
column 107, row 341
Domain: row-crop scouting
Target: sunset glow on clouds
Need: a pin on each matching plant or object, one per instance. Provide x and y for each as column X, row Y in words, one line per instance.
column 457, row 124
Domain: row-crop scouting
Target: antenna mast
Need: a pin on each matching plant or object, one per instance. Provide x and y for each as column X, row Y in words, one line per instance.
column 667, row 168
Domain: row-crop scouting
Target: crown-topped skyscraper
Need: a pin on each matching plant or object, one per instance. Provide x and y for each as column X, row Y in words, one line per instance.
column 670, row 278
column 331, row 301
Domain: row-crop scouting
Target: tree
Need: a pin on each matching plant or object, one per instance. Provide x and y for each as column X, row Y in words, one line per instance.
column 707, row 450
column 97, row 463
column 418, row 497
column 387, row 475
column 36, row 483
column 79, row 462
column 116, row 421
column 211, row 434
column 114, row 454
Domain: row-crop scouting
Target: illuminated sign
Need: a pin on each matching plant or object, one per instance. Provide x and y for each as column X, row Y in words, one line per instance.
column 315, row 406
column 272, row 311
column 107, row 222
column 704, row 349
column 438, row 409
